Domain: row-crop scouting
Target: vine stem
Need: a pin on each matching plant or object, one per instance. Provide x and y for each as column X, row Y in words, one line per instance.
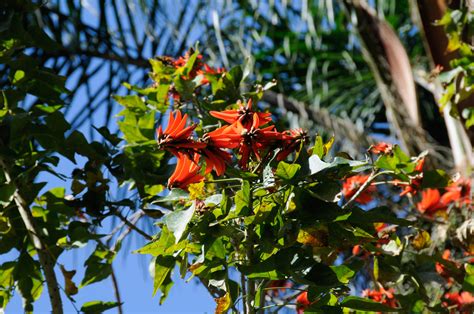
column 45, row 258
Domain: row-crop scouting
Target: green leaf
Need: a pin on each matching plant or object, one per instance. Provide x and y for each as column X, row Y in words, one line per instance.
column 434, row 179
column 132, row 102
column 96, row 272
column 468, row 284
column 345, row 272
column 6, row 194
column 5, row 225
column 160, row 246
column 286, row 171
column 6, row 274
column 242, row 198
column 357, row 303
column 112, row 138
column 174, row 195
column 163, row 267
column 340, row 164
column 178, row 221
column 98, row 306
column 318, row 148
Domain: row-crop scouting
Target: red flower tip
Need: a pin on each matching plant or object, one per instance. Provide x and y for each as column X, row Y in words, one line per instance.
column 176, row 136
column 302, row 302
column 186, row 171
column 420, row 164
column 244, row 115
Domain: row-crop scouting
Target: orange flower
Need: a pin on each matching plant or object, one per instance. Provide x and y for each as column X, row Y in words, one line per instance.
column 291, row 141
column 186, row 172
column 216, row 159
column 463, row 300
column 352, row 185
column 382, row 296
column 302, row 302
column 457, row 192
column 255, row 140
column 176, row 136
column 430, row 202
column 228, row 136
column 244, row 115
column 381, row 148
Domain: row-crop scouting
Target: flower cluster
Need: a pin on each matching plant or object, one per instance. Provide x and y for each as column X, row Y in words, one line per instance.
column 248, row 132
column 199, row 70
column 432, row 201
column 382, row 296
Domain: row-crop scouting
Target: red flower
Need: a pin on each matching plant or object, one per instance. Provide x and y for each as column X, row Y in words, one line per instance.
column 381, row 148
column 356, row 250
column 244, row 115
column 420, row 164
column 302, row 302
column 463, row 300
column 430, row 202
column 255, row 140
column 291, row 141
column 352, row 185
column 457, row 192
column 176, row 136
column 209, row 71
column 228, row 136
column 186, row 172
column 216, row 159
column 382, row 296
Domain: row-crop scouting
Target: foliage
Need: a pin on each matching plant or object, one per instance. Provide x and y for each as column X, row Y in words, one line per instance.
column 459, row 85
column 277, row 217
column 260, row 216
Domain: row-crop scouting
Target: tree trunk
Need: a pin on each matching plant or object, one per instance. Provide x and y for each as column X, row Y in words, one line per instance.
column 391, row 68
column 436, row 43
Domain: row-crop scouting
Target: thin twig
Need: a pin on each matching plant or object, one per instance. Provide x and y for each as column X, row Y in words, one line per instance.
column 364, row 186
column 131, row 224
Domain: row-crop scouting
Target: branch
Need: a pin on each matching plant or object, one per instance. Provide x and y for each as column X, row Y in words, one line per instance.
column 116, row 291
column 131, row 224
column 45, row 258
